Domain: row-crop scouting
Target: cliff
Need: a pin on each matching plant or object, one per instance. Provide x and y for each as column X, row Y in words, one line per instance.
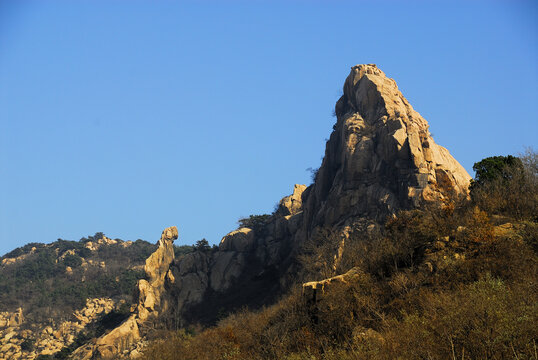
column 380, row 158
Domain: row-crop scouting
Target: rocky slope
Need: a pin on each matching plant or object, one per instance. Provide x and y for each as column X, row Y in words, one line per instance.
column 379, row 159
column 51, row 294
column 125, row 339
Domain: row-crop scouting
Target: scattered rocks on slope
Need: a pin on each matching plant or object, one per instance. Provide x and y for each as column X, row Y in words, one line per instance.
column 50, row 339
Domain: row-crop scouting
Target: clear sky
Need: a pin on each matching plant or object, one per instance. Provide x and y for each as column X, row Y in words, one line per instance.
column 130, row 116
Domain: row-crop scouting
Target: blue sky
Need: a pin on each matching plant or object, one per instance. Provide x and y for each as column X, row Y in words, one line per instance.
column 130, row 116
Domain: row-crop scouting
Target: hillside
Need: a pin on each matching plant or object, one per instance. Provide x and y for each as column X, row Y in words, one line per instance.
column 392, row 252
column 440, row 283
column 386, row 255
column 49, row 292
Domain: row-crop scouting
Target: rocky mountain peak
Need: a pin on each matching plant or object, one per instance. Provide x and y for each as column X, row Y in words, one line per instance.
column 380, row 157
column 369, row 92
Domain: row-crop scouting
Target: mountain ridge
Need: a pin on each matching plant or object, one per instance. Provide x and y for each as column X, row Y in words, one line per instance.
column 380, row 159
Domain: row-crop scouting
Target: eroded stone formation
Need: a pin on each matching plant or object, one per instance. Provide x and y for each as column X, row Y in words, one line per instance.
column 157, row 266
column 379, row 159
column 125, row 339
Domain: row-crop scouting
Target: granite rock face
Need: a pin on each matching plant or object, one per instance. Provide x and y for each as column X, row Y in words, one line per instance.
column 380, row 157
column 157, row 265
column 239, row 240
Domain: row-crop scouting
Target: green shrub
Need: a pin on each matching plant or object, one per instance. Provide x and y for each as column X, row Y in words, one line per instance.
column 72, row 260
column 507, row 186
column 28, row 344
column 182, row 250
column 254, row 222
column 202, row 245
column 494, row 168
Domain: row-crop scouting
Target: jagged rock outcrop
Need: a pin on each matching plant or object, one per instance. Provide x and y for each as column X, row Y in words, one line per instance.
column 291, row 205
column 104, row 241
column 379, row 159
column 157, row 266
column 247, row 258
column 10, row 261
column 149, row 304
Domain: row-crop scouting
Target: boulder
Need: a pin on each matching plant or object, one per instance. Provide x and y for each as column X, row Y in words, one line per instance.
column 9, row 335
column 238, row 240
column 292, row 204
column 119, row 339
column 110, row 345
column 17, row 318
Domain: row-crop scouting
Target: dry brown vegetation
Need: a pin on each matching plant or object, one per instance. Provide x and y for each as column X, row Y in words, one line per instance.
column 456, row 281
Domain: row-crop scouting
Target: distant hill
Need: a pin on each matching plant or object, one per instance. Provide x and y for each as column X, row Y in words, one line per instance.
column 50, row 280
column 45, row 284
